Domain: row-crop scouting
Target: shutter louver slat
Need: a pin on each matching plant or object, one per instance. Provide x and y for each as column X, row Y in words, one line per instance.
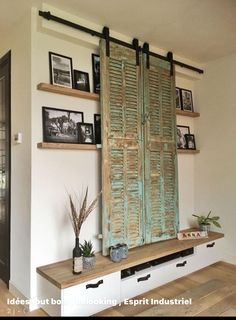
column 167, row 113
column 156, row 193
column 116, row 100
column 133, row 198
column 117, row 193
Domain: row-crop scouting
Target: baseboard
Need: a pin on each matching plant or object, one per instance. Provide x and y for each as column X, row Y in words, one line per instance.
column 230, row 259
column 28, row 307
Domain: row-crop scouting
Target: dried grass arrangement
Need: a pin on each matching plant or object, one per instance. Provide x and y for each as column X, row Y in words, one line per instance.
column 79, row 215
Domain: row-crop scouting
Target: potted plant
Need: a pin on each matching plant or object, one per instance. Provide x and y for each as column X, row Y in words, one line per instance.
column 88, row 254
column 206, row 221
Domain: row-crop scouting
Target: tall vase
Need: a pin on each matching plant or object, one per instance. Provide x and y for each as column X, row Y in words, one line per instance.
column 77, row 258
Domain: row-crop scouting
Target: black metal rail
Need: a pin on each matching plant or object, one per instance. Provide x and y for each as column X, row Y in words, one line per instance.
column 105, row 35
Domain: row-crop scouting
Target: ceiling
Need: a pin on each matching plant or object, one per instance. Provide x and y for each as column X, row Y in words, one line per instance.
column 200, row 30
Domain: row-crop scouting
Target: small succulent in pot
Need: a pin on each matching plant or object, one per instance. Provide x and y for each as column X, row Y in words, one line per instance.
column 206, row 221
column 88, row 254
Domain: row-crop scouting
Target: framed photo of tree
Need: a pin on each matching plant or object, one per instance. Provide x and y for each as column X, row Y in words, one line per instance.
column 60, row 126
column 60, row 70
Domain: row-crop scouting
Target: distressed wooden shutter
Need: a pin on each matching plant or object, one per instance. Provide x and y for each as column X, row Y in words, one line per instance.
column 161, row 185
column 122, row 147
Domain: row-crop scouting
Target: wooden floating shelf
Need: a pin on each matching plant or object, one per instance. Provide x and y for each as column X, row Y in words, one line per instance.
column 187, row 113
column 68, row 91
column 67, row 146
column 187, row 151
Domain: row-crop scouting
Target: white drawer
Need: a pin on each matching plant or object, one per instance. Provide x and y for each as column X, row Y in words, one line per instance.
column 185, row 265
column 91, row 297
column 209, row 253
column 140, row 282
column 150, row 278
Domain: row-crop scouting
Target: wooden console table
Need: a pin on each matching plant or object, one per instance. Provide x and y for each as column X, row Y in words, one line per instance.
column 57, row 281
column 60, row 273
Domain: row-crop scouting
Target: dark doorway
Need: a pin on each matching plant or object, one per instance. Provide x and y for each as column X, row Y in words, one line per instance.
column 5, row 161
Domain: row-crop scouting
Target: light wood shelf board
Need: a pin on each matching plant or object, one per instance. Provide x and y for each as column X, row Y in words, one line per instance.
column 187, row 114
column 187, row 151
column 68, row 91
column 67, row 146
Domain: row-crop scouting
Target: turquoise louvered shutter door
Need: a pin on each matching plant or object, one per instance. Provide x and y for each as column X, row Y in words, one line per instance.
column 161, row 179
column 122, row 147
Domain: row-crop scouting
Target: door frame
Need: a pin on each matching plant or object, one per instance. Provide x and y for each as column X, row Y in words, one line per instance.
column 6, row 59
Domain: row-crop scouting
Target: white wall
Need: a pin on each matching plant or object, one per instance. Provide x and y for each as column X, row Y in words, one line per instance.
column 215, row 174
column 18, row 41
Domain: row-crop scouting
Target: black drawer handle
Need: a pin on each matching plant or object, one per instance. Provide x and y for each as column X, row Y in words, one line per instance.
column 144, row 278
column 211, row 245
column 94, row 285
column 181, row 264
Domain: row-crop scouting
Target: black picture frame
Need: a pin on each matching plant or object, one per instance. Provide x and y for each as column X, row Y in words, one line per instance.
column 61, row 70
column 190, row 141
column 181, row 140
column 97, row 128
column 60, row 125
column 178, row 103
column 81, row 80
column 186, row 100
column 85, row 131
column 96, row 72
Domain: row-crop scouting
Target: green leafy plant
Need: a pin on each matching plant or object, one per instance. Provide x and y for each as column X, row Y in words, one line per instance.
column 207, row 220
column 87, row 249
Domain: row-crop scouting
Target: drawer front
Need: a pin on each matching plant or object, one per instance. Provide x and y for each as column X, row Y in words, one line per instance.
column 209, row 253
column 137, row 284
column 91, row 297
column 148, row 279
column 186, row 265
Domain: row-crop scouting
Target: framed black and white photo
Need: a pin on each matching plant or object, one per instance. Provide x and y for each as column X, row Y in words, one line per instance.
column 178, row 98
column 61, row 126
column 190, row 141
column 187, row 100
column 181, row 140
column 96, row 73
column 60, row 70
column 97, row 128
column 85, row 133
column 81, row 80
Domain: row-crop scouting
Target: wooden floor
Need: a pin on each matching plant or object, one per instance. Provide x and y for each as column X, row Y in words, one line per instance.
column 212, row 290
column 13, row 310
